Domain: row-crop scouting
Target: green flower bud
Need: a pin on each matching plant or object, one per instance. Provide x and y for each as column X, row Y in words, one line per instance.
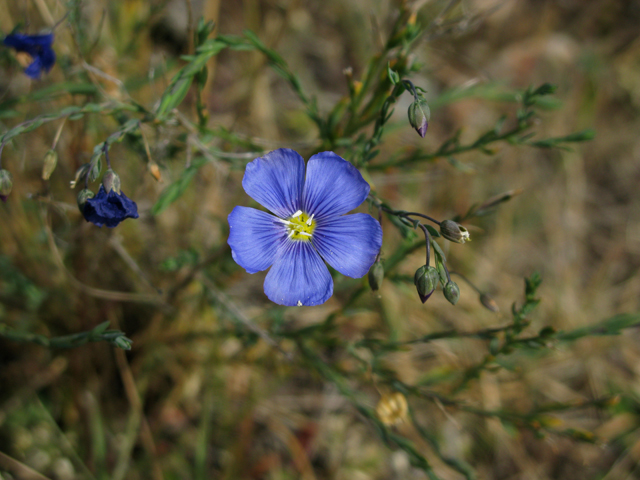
column 111, row 181
column 376, row 275
column 454, row 232
column 123, row 343
column 489, row 303
column 6, row 184
column 84, row 195
column 50, row 162
column 452, row 292
column 419, row 115
column 426, row 281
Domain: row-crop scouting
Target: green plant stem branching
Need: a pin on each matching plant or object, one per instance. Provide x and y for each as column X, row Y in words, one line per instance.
column 98, row 334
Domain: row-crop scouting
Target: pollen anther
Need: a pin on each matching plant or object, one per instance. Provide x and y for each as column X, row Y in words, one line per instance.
column 310, row 219
column 300, row 226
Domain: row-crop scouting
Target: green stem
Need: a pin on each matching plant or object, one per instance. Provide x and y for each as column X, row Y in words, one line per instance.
column 98, row 334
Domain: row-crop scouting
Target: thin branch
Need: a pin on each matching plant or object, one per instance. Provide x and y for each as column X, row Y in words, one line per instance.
column 238, row 315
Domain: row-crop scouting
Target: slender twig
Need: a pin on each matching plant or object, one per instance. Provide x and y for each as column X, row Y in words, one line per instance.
column 58, row 133
column 96, row 292
column 415, row 214
column 190, row 34
column 116, row 243
column 468, row 282
column 238, row 315
column 400, row 213
column 105, row 150
column 427, row 239
column 188, row 278
column 412, row 87
column 60, row 21
column 19, row 469
column 66, row 341
column 131, row 391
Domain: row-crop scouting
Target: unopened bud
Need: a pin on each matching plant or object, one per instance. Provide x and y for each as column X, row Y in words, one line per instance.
column 6, row 184
column 452, row 292
column 489, row 303
column 123, row 343
column 84, row 195
column 50, row 162
column 454, row 232
column 419, row 115
column 154, row 170
column 376, row 275
column 426, row 281
column 111, row 181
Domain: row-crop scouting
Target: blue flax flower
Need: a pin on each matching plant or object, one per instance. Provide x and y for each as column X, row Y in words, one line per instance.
column 309, row 224
column 109, row 209
column 39, row 49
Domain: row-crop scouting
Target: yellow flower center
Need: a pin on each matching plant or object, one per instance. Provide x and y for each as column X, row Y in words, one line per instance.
column 300, row 226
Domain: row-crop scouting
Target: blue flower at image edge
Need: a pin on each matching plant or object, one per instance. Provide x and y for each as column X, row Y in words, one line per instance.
column 39, row 49
column 309, row 225
column 109, row 209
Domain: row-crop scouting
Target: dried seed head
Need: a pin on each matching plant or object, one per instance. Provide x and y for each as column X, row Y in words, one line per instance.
column 392, row 409
column 454, row 232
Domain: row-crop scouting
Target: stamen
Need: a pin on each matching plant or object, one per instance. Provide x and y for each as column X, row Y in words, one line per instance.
column 300, row 226
column 299, row 303
column 286, row 222
column 310, row 219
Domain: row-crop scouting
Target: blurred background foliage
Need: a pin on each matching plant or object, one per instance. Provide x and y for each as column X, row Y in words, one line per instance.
column 219, row 382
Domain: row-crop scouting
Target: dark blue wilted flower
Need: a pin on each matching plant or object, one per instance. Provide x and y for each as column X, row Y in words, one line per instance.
column 39, row 49
column 109, row 209
column 309, row 224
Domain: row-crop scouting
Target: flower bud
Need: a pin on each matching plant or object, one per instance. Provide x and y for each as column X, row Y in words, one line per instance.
column 111, row 181
column 426, row 281
column 84, row 195
column 489, row 303
column 50, row 162
column 419, row 115
column 452, row 292
column 6, row 184
column 454, row 232
column 376, row 275
column 123, row 343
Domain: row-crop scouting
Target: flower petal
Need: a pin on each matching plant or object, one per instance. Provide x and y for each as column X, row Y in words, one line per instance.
column 254, row 238
column 109, row 209
column 34, row 69
column 38, row 47
column 28, row 43
column 349, row 244
column 298, row 277
column 333, row 186
column 275, row 181
column 48, row 58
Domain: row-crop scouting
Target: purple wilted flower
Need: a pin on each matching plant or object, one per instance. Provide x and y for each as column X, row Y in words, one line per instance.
column 309, row 224
column 39, row 49
column 109, row 208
